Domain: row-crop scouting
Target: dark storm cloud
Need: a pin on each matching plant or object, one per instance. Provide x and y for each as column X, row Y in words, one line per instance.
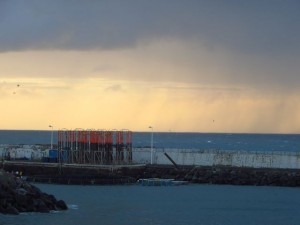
column 249, row 43
column 260, row 26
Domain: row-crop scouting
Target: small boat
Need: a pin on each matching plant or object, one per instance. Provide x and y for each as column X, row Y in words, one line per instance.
column 160, row 182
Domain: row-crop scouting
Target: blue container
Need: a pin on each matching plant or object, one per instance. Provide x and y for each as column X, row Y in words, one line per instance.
column 53, row 153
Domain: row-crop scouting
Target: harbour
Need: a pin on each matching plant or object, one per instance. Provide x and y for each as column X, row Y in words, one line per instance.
column 99, row 157
column 178, row 186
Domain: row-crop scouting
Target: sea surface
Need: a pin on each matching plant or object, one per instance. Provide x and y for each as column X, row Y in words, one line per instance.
column 201, row 141
column 171, row 205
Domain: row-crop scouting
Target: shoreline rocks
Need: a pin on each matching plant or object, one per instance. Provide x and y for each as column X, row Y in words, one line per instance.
column 230, row 175
column 17, row 196
column 110, row 174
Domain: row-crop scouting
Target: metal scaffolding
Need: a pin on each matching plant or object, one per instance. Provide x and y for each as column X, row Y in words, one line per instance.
column 104, row 147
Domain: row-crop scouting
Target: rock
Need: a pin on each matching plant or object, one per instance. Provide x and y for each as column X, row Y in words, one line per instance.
column 12, row 210
column 61, row 205
column 21, row 200
column 42, row 207
column 19, row 196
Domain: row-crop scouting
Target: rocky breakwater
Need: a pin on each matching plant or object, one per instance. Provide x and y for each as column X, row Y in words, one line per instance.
column 17, row 196
column 228, row 175
column 245, row 176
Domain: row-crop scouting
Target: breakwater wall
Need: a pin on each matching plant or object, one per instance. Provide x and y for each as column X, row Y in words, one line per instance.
column 22, row 151
column 228, row 175
column 184, row 157
column 253, row 159
column 63, row 173
column 128, row 174
column 196, row 166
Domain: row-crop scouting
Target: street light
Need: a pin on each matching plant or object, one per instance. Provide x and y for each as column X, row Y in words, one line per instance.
column 150, row 127
column 51, row 136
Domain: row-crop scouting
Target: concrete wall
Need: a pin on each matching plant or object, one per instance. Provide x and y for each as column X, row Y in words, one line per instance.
column 289, row 160
column 21, row 151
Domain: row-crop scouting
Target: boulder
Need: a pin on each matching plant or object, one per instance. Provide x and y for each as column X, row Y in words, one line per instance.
column 18, row 196
column 61, row 205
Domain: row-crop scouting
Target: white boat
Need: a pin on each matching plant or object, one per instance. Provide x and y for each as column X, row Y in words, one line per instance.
column 160, row 182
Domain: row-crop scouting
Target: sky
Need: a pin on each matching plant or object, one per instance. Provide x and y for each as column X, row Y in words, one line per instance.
column 177, row 66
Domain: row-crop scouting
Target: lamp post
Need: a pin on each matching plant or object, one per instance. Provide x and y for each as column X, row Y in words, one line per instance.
column 51, row 136
column 151, row 144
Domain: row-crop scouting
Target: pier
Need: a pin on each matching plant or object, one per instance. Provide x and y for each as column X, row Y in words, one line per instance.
column 97, row 157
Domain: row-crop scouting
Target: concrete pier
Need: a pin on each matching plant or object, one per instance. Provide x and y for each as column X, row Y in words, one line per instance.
column 184, row 157
column 192, row 165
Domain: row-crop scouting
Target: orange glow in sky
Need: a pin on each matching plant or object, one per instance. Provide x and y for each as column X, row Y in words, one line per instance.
column 187, row 78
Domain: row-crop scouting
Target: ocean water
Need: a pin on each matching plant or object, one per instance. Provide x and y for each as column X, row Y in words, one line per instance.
column 176, row 205
column 189, row 204
column 202, row 141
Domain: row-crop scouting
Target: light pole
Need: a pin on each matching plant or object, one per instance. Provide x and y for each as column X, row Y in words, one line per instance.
column 51, row 136
column 151, row 144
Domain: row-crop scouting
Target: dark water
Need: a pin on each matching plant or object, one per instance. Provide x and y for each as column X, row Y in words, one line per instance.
column 190, row 204
column 203, row 141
